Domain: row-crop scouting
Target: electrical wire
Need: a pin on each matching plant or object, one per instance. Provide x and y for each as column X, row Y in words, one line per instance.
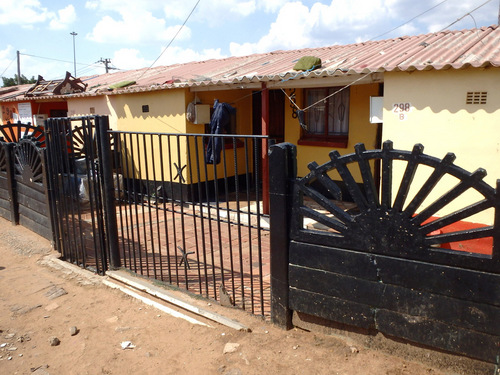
column 8, row 66
column 407, row 22
column 49, row 58
column 465, row 15
column 172, row 40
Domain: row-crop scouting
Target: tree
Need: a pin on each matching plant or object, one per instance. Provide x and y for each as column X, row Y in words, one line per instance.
column 13, row 81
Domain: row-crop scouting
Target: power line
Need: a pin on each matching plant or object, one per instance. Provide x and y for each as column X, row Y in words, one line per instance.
column 407, row 22
column 171, row 41
column 465, row 15
column 8, row 66
column 49, row 58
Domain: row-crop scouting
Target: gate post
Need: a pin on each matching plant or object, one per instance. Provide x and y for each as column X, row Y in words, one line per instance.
column 106, row 169
column 282, row 173
column 11, row 182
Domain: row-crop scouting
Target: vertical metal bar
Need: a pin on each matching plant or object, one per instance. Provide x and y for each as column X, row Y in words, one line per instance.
column 156, row 192
column 193, row 205
column 202, row 215
column 209, row 219
column 80, row 253
column 218, row 208
column 11, row 187
column 212, row 255
column 51, row 141
column 88, row 142
column 141, row 197
column 229, row 222
column 283, row 171
column 105, row 158
column 120, row 193
column 165, row 200
column 240, row 244
column 174, row 229
column 249, row 216
column 147, row 203
column 259, row 237
column 61, row 153
column 50, row 174
column 129, row 165
column 181, row 198
column 496, row 233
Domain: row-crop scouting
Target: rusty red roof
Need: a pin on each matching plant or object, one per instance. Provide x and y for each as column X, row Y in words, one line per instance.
column 456, row 49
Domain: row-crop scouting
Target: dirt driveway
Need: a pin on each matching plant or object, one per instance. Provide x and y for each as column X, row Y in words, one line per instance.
column 40, row 302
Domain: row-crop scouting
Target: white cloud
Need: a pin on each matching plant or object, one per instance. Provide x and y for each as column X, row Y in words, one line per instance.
column 128, row 58
column 271, row 6
column 135, row 28
column 64, row 18
column 22, row 12
column 177, row 55
column 244, row 8
column 290, row 31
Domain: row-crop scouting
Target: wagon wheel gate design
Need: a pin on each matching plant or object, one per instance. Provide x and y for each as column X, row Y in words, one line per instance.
column 389, row 222
column 28, row 162
column 15, row 132
column 30, row 186
column 388, row 261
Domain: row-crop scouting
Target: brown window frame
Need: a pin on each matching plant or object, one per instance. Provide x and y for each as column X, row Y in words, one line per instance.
column 341, row 100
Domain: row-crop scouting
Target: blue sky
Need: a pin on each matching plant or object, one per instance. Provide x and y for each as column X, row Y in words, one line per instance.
column 134, row 33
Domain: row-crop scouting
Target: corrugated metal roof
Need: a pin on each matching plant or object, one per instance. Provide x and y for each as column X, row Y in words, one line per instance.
column 442, row 50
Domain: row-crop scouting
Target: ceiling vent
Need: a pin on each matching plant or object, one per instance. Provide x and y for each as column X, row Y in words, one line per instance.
column 476, row 97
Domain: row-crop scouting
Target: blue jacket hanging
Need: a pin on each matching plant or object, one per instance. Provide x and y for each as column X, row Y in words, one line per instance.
column 219, row 124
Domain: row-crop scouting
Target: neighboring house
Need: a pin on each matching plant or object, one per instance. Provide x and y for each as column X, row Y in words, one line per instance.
column 34, row 103
column 438, row 89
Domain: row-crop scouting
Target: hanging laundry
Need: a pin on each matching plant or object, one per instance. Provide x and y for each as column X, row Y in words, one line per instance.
column 219, row 124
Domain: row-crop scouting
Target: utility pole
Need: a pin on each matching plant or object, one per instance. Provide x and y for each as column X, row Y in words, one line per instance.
column 74, row 51
column 18, row 68
column 106, row 63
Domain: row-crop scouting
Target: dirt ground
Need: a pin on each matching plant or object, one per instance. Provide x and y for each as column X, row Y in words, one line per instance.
column 40, row 301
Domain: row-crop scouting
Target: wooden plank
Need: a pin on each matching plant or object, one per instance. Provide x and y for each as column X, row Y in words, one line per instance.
column 4, row 194
column 439, row 335
column 4, row 203
column 41, row 228
column 463, row 313
column 34, row 191
column 335, row 260
column 432, row 255
column 335, row 285
column 5, row 213
column 481, row 287
column 31, row 204
column 33, row 215
column 332, row 308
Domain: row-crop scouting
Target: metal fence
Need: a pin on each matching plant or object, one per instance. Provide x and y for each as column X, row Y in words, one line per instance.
column 188, row 221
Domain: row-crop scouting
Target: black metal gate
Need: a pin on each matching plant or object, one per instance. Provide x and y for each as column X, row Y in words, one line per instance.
column 153, row 203
column 386, row 262
column 76, row 170
column 187, row 221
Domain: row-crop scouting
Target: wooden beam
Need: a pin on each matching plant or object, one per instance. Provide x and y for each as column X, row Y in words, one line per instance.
column 265, row 146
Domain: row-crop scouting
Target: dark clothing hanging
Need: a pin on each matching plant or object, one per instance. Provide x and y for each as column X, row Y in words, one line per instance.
column 219, row 124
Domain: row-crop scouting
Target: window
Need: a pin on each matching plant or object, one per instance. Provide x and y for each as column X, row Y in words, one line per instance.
column 327, row 121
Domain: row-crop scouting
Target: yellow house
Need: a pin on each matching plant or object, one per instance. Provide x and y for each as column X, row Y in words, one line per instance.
column 436, row 89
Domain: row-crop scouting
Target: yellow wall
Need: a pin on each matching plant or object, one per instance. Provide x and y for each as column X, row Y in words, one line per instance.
column 360, row 129
column 441, row 120
column 167, row 114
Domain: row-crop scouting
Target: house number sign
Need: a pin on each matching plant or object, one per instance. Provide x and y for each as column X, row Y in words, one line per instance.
column 401, row 110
